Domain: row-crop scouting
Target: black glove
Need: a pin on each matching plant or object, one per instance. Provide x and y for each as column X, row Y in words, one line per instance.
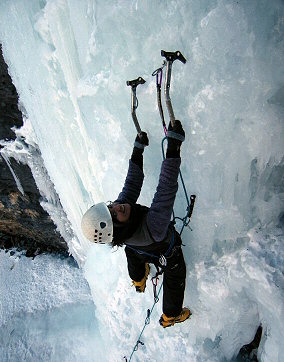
column 175, row 138
column 141, row 140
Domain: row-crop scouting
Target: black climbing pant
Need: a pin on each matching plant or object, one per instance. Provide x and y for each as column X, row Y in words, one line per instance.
column 174, row 274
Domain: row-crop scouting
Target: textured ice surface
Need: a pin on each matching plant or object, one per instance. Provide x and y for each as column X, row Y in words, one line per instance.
column 69, row 61
column 46, row 310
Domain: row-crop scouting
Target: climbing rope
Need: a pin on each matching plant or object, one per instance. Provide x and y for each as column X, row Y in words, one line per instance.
column 190, row 205
column 147, row 320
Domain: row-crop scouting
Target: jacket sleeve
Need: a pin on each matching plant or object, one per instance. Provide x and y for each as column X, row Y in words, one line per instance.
column 159, row 215
column 132, row 185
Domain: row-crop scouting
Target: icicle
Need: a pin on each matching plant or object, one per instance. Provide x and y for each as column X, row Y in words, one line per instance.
column 18, row 183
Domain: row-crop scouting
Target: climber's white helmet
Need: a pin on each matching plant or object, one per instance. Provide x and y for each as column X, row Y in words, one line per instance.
column 97, row 224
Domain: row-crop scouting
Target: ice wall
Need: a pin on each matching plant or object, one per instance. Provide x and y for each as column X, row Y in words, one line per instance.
column 41, row 318
column 69, row 61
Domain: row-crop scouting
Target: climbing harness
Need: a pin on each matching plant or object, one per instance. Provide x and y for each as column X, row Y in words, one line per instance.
column 170, row 58
column 162, row 258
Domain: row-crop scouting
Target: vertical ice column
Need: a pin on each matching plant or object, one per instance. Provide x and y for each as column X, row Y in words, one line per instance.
column 18, row 183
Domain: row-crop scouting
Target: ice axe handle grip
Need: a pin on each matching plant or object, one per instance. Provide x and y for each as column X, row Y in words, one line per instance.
column 172, row 56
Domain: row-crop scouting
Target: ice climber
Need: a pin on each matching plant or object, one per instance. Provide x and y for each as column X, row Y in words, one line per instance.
column 147, row 233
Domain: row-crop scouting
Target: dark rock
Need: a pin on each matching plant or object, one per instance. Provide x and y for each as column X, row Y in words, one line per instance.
column 249, row 351
column 24, row 225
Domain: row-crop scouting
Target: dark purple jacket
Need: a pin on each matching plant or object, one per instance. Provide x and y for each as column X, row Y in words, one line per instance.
column 159, row 215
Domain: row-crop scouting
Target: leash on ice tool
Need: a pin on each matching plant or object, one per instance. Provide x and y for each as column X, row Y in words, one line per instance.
column 170, row 58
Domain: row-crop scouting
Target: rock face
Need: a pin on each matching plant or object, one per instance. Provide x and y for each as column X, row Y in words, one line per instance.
column 23, row 222
column 249, row 351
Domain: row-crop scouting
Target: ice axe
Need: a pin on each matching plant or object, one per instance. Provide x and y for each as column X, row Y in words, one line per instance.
column 170, row 58
column 134, row 101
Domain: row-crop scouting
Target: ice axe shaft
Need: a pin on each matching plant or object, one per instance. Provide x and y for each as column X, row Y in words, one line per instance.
column 170, row 58
column 134, row 101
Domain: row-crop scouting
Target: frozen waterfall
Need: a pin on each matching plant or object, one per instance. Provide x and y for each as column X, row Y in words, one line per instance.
column 69, row 61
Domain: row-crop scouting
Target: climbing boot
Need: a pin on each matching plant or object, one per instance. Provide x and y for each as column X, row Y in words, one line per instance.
column 170, row 321
column 140, row 286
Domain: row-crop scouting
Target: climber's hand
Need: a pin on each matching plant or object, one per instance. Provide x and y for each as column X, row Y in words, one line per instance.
column 175, row 136
column 141, row 140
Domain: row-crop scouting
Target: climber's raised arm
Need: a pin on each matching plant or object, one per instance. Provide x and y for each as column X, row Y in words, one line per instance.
column 159, row 215
column 135, row 176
